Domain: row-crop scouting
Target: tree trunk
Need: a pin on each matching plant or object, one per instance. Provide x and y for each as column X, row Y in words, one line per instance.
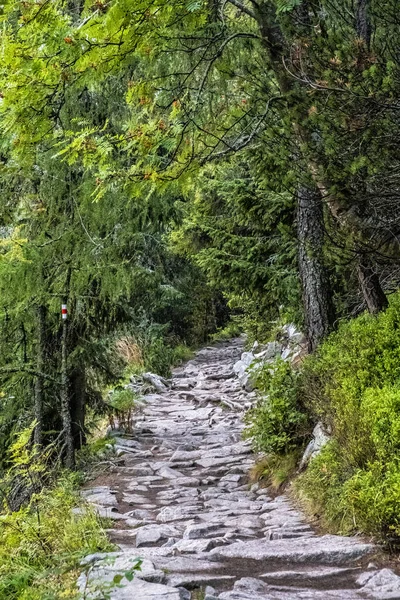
column 317, row 297
column 77, row 396
column 363, row 23
column 65, row 407
column 40, row 349
column 373, row 293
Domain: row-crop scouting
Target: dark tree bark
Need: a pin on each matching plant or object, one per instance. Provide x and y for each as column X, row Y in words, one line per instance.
column 373, row 293
column 363, row 22
column 65, row 405
column 317, row 296
column 39, row 383
column 77, row 395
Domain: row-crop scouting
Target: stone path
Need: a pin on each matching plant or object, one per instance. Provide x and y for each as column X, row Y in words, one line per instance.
column 182, row 501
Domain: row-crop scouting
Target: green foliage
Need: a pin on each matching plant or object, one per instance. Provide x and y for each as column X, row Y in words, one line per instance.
column 122, row 399
column 287, row 5
column 348, row 499
column 364, row 354
column 353, row 384
column 181, row 354
column 231, row 330
column 223, row 229
column 278, row 424
column 95, row 450
column 45, row 539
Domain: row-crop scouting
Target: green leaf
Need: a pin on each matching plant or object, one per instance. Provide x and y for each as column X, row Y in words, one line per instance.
column 284, row 6
column 193, row 5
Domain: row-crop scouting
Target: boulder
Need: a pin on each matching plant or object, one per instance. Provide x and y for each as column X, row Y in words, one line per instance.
column 381, row 585
column 157, row 382
column 319, row 439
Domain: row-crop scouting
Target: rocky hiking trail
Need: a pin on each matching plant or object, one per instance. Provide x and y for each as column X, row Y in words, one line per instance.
column 181, row 500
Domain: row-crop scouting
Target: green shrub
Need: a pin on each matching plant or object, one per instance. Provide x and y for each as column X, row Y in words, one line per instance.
column 350, row 500
column 353, row 385
column 231, row 330
column 122, row 399
column 278, row 424
column 43, row 542
column 180, row 354
column 364, row 353
column 320, row 489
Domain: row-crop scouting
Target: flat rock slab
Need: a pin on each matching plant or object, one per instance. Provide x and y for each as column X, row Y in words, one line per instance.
column 151, row 534
column 100, row 496
column 327, row 549
column 142, row 590
column 252, row 589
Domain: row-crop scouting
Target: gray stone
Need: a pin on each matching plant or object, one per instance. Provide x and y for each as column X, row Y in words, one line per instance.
column 100, row 496
column 382, row 584
column 177, row 513
column 181, row 455
column 169, row 473
column 319, row 440
column 142, row 590
column 151, row 534
column 327, row 549
column 210, row 593
column 194, row 546
column 157, row 382
column 133, row 499
column 195, row 531
column 272, row 350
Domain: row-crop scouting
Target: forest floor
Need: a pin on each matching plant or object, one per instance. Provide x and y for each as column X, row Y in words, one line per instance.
column 181, row 500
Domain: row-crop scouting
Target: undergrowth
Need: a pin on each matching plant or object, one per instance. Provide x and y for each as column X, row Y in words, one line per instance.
column 44, row 538
column 351, row 385
column 278, row 424
column 275, row 470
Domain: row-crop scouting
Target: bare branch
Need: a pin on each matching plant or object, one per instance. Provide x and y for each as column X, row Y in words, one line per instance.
column 243, row 142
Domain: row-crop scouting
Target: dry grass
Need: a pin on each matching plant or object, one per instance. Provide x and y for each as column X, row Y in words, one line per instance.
column 275, row 471
column 129, row 350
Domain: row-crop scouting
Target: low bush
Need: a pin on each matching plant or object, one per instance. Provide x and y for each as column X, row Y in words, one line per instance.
column 231, row 330
column 151, row 349
column 278, row 424
column 44, row 540
column 43, row 543
column 353, row 385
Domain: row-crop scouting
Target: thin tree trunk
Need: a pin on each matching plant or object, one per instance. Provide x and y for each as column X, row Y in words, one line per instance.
column 317, row 296
column 65, row 407
column 39, row 383
column 363, row 22
column 373, row 293
column 77, row 405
